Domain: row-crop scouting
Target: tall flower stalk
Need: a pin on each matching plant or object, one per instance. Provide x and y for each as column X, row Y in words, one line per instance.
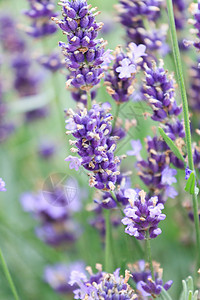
column 180, row 76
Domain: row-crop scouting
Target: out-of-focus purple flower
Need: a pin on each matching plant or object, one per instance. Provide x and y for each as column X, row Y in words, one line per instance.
column 83, row 50
column 75, row 162
column 60, row 234
column 195, row 10
column 141, row 274
column 194, row 92
column 95, row 145
column 81, row 96
column 53, row 208
column 120, row 77
column 159, row 91
column 187, row 173
column 26, row 84
column 132, row 16
column 52, row 62
column 105, row 286
column 168, row 176
column 57, row 276
column 170, row 192
column 46, row 149
column 137, row 147
column 40, row 14
column 2, row 185
column 179, row 7
column 142, row 215
column 9, row 35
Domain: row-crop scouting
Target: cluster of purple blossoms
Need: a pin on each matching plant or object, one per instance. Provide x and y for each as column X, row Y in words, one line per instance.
column 40, row 13
column 94, row 145
column 132, row 15
column 102, row 285
column 84, row 52
column 159, row 91
column 57, row 227
column 146, row 286
column 121, row 76
column 142, row 215
column 2, row 185
column 57, row 276
column 155, row 171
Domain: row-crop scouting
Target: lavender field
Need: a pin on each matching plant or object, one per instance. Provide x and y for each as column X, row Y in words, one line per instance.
column 99, row 149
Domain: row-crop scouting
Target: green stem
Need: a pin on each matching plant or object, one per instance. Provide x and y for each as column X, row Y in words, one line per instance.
column 179, row 72
column 149, row 256
column 89, row 100
column 8, row 276
column 108, row 245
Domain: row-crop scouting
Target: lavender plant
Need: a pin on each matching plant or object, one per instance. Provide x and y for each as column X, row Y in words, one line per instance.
column 117, row 225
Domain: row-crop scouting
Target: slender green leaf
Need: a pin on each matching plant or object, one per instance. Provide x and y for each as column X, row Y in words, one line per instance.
column 8, row 276
column 171, row 145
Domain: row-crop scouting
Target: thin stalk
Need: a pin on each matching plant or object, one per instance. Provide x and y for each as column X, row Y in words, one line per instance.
column 8, row 276
column 149, row 256
column 108, row 245
column 179, row 72
column 89, row 100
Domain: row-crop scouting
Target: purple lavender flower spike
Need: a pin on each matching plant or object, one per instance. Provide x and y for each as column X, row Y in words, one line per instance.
column 57, row 276
column 2, row 185
column 40, row 13
column 158, row 90
column 120, row 77
column 103, row 285
column 142, row 215
column 141, row 274
column 94, row 145
column 132, row 15
column 83, row 50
